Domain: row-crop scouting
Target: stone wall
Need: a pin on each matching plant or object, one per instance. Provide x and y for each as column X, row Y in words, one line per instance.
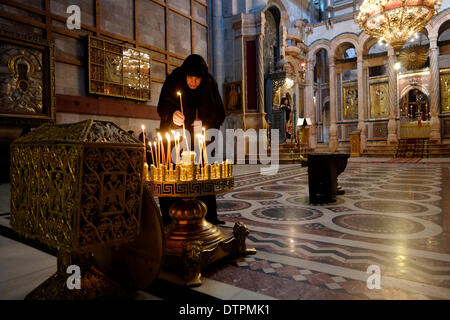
column 168, row 30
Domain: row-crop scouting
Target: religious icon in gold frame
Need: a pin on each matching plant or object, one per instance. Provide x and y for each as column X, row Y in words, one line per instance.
column 379, row 102
column 232, row 93
column 27, row 84
column 350, row 94
column 445, row 92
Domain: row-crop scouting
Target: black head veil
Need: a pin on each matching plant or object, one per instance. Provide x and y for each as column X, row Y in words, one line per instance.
column 194, row 65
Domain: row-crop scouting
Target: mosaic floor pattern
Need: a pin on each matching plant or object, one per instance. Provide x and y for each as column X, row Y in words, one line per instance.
column 394, row 216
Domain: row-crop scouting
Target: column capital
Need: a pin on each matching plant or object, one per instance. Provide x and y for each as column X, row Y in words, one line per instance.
column 433, row 38
column 331, row 61
column 391, row 51
column 359, row 54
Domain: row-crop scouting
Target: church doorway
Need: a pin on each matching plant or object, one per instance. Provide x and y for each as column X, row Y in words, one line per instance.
column 414, row 115
column 414, row 106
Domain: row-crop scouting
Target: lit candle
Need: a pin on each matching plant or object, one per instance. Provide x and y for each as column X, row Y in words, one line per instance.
column 178, row 147
column 204, row 146
column 175, row 145
column 169, row 153
column 143, row 133
column 151, row 151
column 199, row 137
column 156, row 153
column 184, row 130
column 143, row 140
column 161, row 146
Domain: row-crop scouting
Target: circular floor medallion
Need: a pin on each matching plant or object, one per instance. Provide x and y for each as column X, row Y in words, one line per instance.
column 295, row 182
column 281, row 213
column 390, row 206
column 232, row 205
column 410, row 181
column 404, row 187
column 399, row 195
column 282, row 188
column 256, row 195
column 377, row 223
column 304, row 200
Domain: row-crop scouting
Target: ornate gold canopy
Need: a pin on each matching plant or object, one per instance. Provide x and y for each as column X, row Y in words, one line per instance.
column 394, row 21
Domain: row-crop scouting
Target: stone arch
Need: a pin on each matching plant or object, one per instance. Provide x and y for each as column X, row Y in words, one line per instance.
column 433, row 27
column 344, row 38
column 280, row 6
column 316, row 46
column 410, row 87
column 366, row 42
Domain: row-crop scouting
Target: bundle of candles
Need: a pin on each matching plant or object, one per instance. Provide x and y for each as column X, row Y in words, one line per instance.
column 184, row 168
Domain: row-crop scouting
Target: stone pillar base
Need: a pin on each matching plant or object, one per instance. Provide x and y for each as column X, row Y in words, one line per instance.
column 333, row 144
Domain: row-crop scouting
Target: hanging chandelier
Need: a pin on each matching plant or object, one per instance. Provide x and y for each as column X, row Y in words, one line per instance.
column 394, row 21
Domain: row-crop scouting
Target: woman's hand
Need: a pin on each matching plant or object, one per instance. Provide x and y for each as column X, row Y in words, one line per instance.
column 178, row 118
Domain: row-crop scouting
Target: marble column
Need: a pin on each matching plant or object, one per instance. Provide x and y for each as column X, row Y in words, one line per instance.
column 361, row 100
column 218, row 30
column 310, row 111
column 333, row 143
column 435, row 125
column 260, row 77
column 392, row 124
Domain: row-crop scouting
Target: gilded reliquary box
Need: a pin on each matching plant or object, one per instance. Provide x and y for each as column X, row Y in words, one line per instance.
column 77, row 186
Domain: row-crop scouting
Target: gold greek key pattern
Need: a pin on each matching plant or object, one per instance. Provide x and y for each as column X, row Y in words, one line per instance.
column 191, row 188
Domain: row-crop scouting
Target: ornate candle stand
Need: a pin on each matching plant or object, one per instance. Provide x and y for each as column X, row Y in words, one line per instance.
column 192, row 243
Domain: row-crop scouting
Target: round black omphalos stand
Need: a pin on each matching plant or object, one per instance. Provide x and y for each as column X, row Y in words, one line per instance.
column 323, row 170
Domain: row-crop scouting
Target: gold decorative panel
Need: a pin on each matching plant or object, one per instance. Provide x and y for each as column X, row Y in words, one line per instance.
column 445, row 93
column 350, row 94
column 118, row 70
column 379, row 100
column 78, row 186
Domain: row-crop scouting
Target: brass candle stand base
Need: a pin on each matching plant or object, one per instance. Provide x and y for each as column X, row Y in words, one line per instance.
column 192, row 243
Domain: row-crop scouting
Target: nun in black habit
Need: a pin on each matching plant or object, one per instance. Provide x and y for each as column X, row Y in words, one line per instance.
column 201, row 99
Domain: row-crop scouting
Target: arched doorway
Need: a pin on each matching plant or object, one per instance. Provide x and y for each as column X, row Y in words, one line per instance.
column 414, row 106
column 415, row 115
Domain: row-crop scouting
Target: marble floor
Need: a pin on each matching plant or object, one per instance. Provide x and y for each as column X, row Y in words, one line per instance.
column 394, row 217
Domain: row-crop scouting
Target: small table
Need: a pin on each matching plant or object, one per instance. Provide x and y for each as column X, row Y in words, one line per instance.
column 191, row 242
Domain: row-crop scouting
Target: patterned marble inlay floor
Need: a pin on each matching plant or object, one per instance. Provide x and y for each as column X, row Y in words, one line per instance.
column 394, row 216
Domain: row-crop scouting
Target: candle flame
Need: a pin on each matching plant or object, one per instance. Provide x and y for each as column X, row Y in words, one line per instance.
column 179, row 93
column 167, row 136
column 159, row 136
column 143, row 127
